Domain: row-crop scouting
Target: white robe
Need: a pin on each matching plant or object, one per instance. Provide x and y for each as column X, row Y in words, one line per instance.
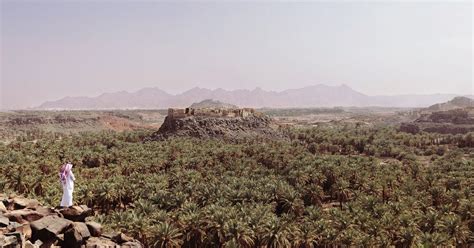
column 68, row 188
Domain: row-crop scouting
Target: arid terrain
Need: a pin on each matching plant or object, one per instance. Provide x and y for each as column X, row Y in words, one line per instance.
column 216, row 175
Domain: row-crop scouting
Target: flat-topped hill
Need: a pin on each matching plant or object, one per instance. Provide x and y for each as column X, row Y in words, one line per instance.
column 215, row 123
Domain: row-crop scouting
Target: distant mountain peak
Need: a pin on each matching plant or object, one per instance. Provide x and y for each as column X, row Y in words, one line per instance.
column 210, row 103
column 455, row 103
column 316, row 95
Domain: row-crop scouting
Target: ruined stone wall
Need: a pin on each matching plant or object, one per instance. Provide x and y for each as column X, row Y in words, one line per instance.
column 211, row 112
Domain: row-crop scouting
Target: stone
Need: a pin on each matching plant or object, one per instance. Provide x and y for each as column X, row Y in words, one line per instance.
column 3, row 209
column 25, row 229
column 8, row 241
column 77, row 213
column 131, row 245
column 49, row 227
column 94, row 242
column 13, row 226
column 4, row 221
column 8, row 203
column 28, row 244
column 38, row 243
column 21, row 202
column 76, row 235
column 18, row 236
column 122, row 238
column 45, row 211
column 23, row 215
column 94, row 228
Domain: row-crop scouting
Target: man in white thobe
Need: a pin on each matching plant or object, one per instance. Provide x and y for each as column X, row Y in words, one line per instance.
column 67, row 181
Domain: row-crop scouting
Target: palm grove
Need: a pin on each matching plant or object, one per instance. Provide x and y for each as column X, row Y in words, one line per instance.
column 320, row 186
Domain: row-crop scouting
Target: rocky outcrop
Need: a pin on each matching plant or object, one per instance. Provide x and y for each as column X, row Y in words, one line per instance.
column 455, row 121
column 215, row 127
column 26, row 223
column 455, row 103
column 409, row 128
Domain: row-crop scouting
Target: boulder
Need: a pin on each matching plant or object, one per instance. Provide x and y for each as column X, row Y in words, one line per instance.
column 4, row 221
column 21, row 202
column 20, row 239
column 8, row 241
column 122, row 238
column 23, row 215
column 13, row 226
column 76, row 235
column 47, row 211
column 25, row 229
column 100, row 242
column 28, row 244
column 3, row 209
column 131, row 245
column 3, row 197
column 77, row 213
column 49, row 227
column 94, row 228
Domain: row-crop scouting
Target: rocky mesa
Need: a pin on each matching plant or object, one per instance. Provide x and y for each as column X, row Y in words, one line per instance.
column 215, row 123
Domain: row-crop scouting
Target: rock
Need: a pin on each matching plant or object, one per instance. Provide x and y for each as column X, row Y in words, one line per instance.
column 21, row 202
column 49, row 227
column 28, row 244
column 8, row 241
column 23, row 215
column 215, row 127
column 13, row 226
column 99, row 242
column 4, row 221
column 3, row 209
column 94, row 228
column 76, row 235
column 131, row 245
column 25, row 229
column 77, row 213
column 46, row 211
column 20, row 239
column 122, row 238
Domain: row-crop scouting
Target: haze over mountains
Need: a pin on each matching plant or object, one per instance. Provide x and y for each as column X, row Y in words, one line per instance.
column 312, row 96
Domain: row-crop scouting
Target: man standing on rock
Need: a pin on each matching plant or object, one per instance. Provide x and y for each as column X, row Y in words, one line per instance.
column 67, row 181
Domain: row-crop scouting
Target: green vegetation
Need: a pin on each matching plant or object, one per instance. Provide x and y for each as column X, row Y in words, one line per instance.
column 322, row 186
column 293, row 112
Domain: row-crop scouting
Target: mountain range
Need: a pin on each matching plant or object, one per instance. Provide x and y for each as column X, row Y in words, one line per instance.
column 312, row 96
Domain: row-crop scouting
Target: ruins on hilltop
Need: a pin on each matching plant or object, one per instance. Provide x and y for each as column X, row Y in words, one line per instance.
column 214, row 123
column 175, row 113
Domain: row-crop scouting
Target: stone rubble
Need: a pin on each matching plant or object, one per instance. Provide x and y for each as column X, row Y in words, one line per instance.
column 25, row 223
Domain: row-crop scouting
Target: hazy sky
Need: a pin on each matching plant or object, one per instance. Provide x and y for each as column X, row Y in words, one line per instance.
column 54, row 49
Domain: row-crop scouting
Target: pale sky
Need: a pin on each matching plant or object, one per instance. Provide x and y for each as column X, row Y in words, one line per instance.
column 84, row 48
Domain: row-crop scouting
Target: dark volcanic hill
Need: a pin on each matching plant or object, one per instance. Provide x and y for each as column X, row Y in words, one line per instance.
column 312, row 96
column 212, row 127
column 215, row 123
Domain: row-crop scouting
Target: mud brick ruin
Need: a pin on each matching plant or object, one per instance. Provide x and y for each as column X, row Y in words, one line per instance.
column 174, row 113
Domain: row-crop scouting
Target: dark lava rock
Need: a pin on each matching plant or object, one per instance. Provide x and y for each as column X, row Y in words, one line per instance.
column 215, row 127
